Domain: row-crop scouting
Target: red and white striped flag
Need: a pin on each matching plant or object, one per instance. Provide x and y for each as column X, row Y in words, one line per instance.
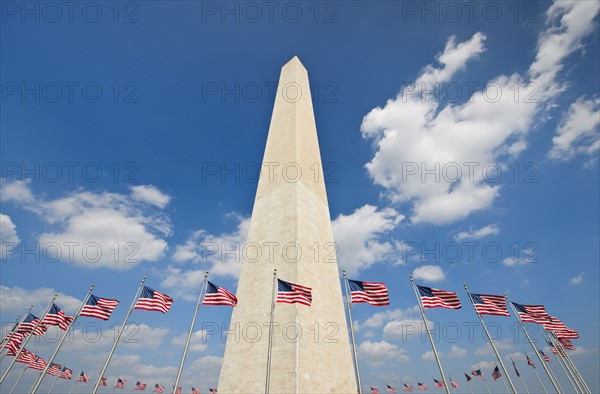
column 99, row 307
column 374, row 293
column 435, row 298
column 291, row 293
column 56, row 317
column 54, row 369
column 152, row 300
column 216, row 295
column 488, row 304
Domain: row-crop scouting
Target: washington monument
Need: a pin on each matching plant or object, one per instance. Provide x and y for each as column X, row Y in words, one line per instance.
column 311, row 350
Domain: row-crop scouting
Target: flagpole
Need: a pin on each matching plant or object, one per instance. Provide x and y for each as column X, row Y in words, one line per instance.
column 27, row 338
column 19, row 321
column 568, row 358
column 518, row 374
column 189, row 337
column 486, row 385
column 512, row 386
column 576, row 386
column 101, row 375
column 535, row 350
column 538, row 376
column 505, row 386
column 73, row 385
column 5, row 339
column 437, row 358
column 37, row 383
column 53, row 383
column 349, row 306
column 268, row 377
column 19, row 379
column 553, row 375
column 469, row 385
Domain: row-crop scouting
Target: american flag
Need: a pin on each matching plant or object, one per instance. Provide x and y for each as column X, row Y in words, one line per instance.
column 375, row 293
column 66, row 373
column 213, row 391
column 158, row 388
column 83, row 377
column 29, row 323
column 552, row 347
column 290, row 293
column 26, row 357
column 104, row 382
column 120, row 383
column 439, row 384
column 568, row 333
column 453, row 383
column 56, row 317
column 14, row 343
column 178, row 391
column 434, row 298
column 152, row 300
column 478, row 373
column 532, row 313
column 516, row 370
column 139, row 386
column 195, row 391
column 12, row 337
column 487, row 304
column 553, row 324
column 496, row 374
column 422, row 386
column 99, row 307
column 390, row 389
column 546, row 358
column 216, row 295
column 529, row 362
column 468, row 377
column 39, row 363
column 408, row 388
column 54, row 369
column 566, row 343
column 374, row 390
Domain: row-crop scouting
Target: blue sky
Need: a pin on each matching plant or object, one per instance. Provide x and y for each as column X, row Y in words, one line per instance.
column 137, row 127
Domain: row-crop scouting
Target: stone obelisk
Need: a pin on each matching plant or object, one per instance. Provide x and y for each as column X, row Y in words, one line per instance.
column 290, row 230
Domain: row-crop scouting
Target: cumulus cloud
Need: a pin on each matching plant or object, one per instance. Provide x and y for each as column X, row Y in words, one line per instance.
column 151, row 195
column 197, row 342
column 414, row 133
column 17, row 300
column 8, row 235
column 429, row 273
column 484, row 366
column 578, row 132
column 576, row 280
column 473, row 234
column 457, row 352
column 378, row 353
column 102, row 229
column 429, row 355
column 359, row 234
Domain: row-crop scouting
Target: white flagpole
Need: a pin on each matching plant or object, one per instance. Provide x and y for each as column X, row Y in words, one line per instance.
column 570, row 362
column 103, row 371
column 505, row 386
column 189, row 337
column 512, row 386
column 576, row 386
column 19, row 321
column 354, row 353
column 520, row 377
column 486, row 385
column 37, row 383
column 469, row 385
column 437, row 358
column 268, row 378
column 538, row 376
column 53, row 383
column 535, row 350
column 19, row 379
column 5, row 339
column 73, row 385
column 27, row 338
column 553, row 375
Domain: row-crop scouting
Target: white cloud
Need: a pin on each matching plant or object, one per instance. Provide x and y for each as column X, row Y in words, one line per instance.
column 197, row 342
column 17, row 300
column 103, row 229
column 486, row 350
column 484, row 366
column 429, row 355
column 359, row 234
column 578, row 131
column 8, row 235
column 576, row 280
column 471, row 234
column 378, row 353
column 429, row 273
column 414, row 133
column 457, row 352
column 151, row 195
